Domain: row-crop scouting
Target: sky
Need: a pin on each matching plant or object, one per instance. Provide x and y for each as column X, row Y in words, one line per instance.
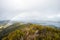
column 27, row 10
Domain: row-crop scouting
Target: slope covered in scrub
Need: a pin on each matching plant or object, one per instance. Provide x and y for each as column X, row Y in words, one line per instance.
column 32, row 32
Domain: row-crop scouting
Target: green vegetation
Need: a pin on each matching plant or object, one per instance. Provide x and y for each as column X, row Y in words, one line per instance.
column 31, row 32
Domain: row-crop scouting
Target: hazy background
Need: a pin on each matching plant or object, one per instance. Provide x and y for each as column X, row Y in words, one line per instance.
column 47, row 10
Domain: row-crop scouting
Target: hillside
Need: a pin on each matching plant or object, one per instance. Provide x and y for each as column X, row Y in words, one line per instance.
column 30, row 31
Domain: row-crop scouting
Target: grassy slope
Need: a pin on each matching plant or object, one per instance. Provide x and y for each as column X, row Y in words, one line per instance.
column 31, row 32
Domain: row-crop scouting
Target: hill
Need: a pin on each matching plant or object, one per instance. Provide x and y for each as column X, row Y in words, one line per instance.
column 30, row 31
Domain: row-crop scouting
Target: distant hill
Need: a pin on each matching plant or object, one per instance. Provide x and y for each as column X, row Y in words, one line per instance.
column 3, row 22
column 57, row 24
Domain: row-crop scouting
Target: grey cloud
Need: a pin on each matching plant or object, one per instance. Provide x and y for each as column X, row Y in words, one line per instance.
column 11, row 8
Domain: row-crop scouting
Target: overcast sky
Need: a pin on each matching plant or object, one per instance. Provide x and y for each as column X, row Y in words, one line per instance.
column 30, row 10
